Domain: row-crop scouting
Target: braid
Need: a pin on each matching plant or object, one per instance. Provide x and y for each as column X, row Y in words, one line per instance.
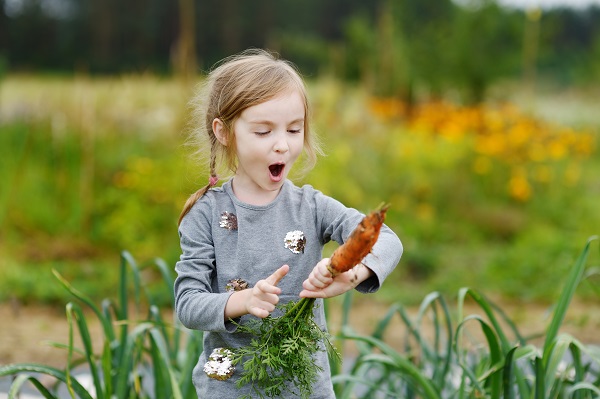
column 191, row 201
column 211, row 182
column 213, row 163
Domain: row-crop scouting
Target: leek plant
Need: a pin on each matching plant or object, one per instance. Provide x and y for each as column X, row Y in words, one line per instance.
column 446, row 353
column 491, row 360
column 132, row 352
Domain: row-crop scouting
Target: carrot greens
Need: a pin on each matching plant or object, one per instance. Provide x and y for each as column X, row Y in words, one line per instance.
column 279, row 357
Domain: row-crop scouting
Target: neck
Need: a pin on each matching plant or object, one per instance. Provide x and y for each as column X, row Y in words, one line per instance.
column 257, row 196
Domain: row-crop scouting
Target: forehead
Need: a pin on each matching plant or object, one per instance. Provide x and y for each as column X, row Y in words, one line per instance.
column 286, row 105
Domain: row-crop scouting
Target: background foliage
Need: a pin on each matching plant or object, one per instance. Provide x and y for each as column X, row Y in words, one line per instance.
column 435, row 44
column 481, row 195
column 448, row 110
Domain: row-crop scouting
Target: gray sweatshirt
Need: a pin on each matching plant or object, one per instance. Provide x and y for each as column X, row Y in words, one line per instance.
column 223, row 239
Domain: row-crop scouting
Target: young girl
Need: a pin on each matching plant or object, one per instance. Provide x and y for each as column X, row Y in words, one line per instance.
column 257, row 241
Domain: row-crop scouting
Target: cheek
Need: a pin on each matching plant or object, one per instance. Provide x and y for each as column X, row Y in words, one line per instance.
column 298, row 145
column 250, row 152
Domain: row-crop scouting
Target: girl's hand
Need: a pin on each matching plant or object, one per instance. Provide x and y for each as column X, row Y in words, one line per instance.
column 321, row 284
column 265, row 294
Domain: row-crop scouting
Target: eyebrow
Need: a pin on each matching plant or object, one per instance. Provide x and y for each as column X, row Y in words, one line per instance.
column 268, row 122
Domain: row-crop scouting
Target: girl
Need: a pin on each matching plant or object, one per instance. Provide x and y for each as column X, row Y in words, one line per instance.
column 258, row 239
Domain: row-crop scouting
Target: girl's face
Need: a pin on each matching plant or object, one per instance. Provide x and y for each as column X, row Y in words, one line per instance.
column 269, row 137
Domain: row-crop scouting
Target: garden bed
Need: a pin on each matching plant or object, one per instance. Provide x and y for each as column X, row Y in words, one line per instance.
column 26, row 329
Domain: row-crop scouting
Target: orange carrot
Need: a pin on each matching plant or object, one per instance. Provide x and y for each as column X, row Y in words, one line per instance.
column 359, row 244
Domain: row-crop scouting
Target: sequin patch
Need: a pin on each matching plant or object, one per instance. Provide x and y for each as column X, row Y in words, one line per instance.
column 219, row 365
column 228, row 221
column 295, row 241
column 236, row 284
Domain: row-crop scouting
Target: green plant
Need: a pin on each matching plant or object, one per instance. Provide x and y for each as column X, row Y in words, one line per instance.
column 493, row 360
column 130, row 351
column 281, row 351
column 95, row 165
column 441, row 358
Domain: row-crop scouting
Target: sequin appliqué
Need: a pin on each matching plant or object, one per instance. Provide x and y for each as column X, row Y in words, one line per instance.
column 228, row 221
column 219, row 365
column 295, row 241
column 236, row 284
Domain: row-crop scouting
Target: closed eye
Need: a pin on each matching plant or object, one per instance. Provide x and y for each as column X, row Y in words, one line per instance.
column 262, row 133
column 295, row 131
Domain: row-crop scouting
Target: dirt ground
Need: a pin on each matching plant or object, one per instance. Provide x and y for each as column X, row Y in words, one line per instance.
column 25, row 331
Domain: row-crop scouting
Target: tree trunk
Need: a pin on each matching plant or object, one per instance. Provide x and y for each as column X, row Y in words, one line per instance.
column 530, row 50
column 184, row 57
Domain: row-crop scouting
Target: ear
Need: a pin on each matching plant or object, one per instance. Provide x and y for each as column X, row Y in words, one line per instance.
column 220, row 131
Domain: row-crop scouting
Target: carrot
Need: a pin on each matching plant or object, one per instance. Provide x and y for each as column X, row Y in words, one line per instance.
column 359, row 244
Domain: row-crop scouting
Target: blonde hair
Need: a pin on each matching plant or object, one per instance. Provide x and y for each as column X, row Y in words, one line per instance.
column 236, row 83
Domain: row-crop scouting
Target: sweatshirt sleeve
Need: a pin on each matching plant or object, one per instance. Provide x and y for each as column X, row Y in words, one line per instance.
column 197, row 304
column 338, row 222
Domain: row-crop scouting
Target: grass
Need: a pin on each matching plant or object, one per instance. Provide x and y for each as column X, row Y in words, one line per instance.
column 447, row 353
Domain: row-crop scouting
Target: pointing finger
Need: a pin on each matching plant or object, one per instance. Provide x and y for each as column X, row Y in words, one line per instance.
column 276, row 277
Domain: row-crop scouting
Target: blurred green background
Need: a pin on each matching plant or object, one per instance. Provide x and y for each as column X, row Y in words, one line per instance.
column 478, row 122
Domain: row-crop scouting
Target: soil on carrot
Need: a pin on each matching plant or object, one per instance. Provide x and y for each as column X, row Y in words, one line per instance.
column 26, row 332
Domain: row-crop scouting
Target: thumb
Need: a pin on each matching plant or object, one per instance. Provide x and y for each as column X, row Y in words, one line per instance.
column 276, row 277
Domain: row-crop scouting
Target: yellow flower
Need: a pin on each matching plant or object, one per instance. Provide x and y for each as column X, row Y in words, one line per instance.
column 494, row 121
column 537, row 152
column 425, row 212
column 387, row 108
column 557, row 149
column 519, row 134
column 492, row 145
column 584, row 144
column 452, row 131
column 519, row 187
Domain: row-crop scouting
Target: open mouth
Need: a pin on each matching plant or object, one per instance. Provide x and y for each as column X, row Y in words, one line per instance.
column 276, row 169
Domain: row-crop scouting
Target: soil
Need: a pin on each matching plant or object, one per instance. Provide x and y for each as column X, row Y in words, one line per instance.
column 27, row 331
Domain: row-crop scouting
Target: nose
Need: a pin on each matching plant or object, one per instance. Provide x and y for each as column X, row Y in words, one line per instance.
column 281, row 144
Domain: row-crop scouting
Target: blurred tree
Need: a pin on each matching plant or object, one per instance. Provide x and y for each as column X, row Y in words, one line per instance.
column 103, row 31
column 530, row 48
column 374, row 52
column 308, row 37
column 590, row 72
column 391, row 73
column 357, row 49
column 24, row 31
column 567, row 39
column 425, row 28
column 3, row 38
column 425, row 47
column 3, row 26
column 185, row 49
column 485, row 42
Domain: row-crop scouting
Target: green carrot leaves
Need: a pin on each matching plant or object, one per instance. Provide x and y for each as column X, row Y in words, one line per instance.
column 278, row 359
